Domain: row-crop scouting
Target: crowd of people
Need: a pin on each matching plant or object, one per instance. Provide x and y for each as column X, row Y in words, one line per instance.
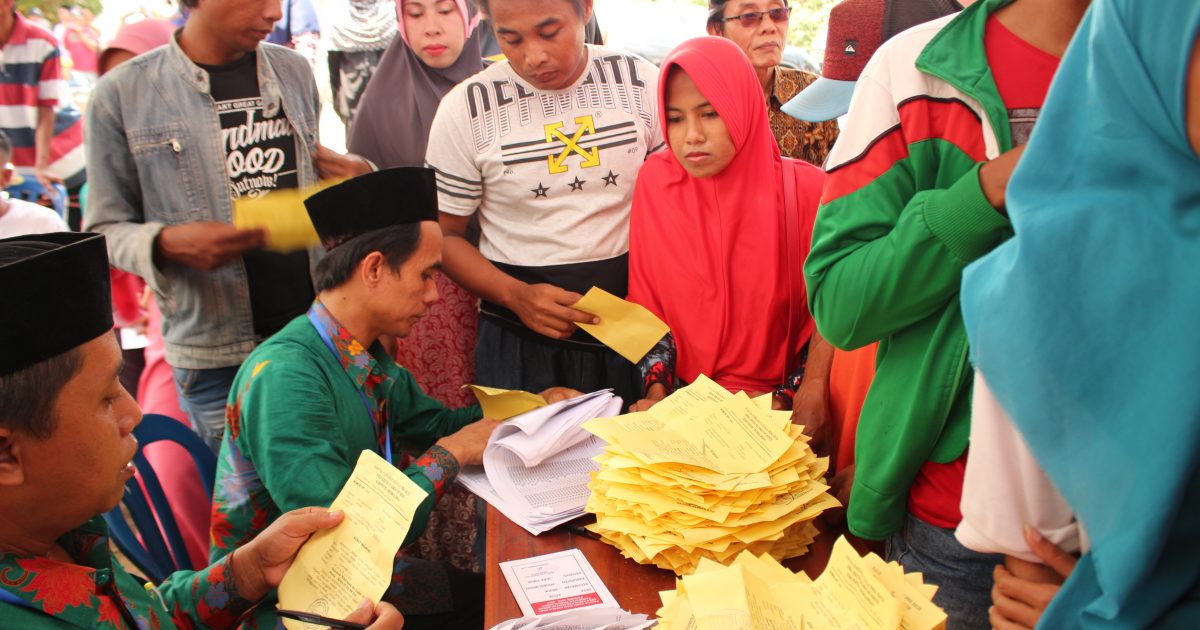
column 959, row 257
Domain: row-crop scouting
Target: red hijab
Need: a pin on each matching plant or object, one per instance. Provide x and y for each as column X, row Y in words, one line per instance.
column 710, row 256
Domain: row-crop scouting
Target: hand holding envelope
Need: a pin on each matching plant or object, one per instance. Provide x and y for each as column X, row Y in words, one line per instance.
column 283, row 215
column 627, row 328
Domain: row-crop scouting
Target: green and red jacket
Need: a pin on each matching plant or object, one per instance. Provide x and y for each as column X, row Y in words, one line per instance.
column 902, row 215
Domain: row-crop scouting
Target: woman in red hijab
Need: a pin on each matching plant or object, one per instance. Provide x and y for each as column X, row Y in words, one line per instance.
column 720, row 227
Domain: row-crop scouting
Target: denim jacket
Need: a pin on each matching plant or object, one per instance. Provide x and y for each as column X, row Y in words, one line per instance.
column 155, row 158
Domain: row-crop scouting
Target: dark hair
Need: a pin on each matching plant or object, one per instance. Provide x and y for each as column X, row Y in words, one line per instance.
column 5, row 147
column 397, row 244
column 27, row 396
column 484, row 7
column 191, row 4
column 716, row 11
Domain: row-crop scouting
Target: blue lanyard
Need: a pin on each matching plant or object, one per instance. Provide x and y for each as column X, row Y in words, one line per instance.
column 387, row 439
column 9, row 598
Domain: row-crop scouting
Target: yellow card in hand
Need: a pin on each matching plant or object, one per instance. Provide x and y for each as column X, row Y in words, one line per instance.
column 283, row 215
column 502, row 404
column 626, row 327
column 337, row 568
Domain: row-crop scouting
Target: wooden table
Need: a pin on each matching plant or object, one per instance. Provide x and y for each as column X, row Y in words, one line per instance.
column 635, row 586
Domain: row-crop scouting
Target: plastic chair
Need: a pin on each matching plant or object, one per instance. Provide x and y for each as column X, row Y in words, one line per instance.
column 155, row 556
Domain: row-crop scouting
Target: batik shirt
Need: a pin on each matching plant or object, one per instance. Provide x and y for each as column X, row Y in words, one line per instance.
column 97, row 592
column 798, row 139
column 296, row 424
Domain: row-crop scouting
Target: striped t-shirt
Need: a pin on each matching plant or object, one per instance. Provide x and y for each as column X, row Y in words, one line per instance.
column 30, row 77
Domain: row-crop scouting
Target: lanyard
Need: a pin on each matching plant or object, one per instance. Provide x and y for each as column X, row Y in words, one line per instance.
column 9, row 598
column 387, row 429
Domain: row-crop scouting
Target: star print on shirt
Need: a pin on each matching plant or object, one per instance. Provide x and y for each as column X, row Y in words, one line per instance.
column 610, row 179
column 577, row 184
column 540, row 191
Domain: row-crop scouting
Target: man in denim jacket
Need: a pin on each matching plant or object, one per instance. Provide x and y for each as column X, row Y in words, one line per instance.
column 172, row 137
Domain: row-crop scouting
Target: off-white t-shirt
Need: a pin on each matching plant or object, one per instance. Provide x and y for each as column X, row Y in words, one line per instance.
column 1005, row 489
column 24, row 217
column 551, row 173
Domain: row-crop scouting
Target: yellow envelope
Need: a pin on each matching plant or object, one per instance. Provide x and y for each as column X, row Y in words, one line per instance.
column 626, row 327
column 283, row 215
column 502, row 404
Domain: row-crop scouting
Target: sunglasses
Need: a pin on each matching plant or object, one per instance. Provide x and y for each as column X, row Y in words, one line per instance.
column 751, row 19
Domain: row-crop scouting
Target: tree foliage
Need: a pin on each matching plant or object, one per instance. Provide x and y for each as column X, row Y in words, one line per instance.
column 49, row 8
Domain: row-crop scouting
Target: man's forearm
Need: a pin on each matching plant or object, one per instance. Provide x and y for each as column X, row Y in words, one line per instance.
column 466, row 266
column 43, row 136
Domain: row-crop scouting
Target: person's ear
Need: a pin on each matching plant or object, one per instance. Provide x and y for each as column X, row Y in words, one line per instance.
column 6, row 174
column 587, row 11
column 372, row 269
column 12, row 472
column 714, row 28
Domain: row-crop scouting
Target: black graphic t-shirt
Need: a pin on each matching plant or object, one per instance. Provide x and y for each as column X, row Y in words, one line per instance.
column 260, row 156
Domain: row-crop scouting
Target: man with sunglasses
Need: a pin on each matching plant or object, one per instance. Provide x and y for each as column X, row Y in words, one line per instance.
column 760, row 28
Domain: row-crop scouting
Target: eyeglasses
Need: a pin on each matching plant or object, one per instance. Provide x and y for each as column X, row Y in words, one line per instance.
column 751, row 19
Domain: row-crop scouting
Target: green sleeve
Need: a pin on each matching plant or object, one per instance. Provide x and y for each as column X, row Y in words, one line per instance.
column 885, row 257
column 207, row 598
column 304, row 435
column 418, row 420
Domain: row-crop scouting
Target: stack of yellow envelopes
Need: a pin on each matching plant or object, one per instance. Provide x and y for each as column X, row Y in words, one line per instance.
column 706, row 474
column 860, row 593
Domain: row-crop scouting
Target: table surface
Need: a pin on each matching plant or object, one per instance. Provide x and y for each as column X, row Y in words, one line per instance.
column 635, row 586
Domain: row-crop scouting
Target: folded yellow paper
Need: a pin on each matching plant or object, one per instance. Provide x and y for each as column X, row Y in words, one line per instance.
column 502, row 404
column 282, row 214
column 627, row 328
column 339, row 567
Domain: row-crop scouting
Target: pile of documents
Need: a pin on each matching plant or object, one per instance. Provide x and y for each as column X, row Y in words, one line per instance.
column 863, row 593
column 536, row 466
column 706, row 474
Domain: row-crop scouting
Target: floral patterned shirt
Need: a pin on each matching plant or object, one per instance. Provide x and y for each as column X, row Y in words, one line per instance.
column 798, row 139
column 97, row 592
column 296, row 423
column 658, row 366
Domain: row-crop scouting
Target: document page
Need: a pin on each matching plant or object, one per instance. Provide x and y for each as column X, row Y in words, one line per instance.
column 339, row 567
column 555, row 582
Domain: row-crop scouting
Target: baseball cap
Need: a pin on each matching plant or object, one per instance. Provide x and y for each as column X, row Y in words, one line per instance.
column 857, row 28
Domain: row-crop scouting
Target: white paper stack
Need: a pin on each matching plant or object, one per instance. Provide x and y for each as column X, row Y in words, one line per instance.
column 536, row 466
column 591, row 619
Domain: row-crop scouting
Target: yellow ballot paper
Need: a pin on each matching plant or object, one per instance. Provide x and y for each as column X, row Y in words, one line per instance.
column 502, row 404
column 626, row 327
column 283, row 215
column 339, row 567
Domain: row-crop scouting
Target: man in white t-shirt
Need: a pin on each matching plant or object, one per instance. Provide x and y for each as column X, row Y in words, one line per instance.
column 545, row 146
column 19, row 217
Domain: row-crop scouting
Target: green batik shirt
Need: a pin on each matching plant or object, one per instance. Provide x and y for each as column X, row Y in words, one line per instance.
column 96, row 592
column 296, row 423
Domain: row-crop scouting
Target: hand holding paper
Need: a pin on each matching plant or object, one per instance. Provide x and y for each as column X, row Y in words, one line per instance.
column 283, row 215
column 627, row 328
column 336, row 569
